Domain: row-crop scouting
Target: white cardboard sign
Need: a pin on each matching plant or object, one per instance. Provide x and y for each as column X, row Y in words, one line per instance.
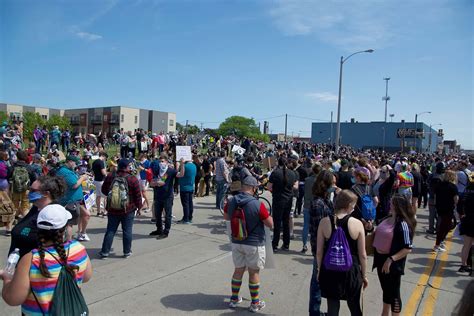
column 184, row 152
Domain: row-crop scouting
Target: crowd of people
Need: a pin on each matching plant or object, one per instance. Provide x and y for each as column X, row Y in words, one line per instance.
column 354, row 204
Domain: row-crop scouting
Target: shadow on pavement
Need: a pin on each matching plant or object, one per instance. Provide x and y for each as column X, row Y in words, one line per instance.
column 195, row 302
column 304, row 260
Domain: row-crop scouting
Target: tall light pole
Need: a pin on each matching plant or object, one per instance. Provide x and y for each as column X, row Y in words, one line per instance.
column 416, row 122
column 431, row 134
column 338, row 125
column 386, row 97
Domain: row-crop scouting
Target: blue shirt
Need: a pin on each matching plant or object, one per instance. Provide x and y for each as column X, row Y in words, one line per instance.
column 70, row 177
column 146, row 165
column 186, row 183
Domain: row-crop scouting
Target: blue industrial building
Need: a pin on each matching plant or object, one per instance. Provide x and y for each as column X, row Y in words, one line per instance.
column 391, row 136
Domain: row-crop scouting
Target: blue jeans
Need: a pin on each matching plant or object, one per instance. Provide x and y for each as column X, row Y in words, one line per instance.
column 113, row 222
column 220, row 191
column 165, row 204
column 314, row 292
column 305, row 226
column 187, row 202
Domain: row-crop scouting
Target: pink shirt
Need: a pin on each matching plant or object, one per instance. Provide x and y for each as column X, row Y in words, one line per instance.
column 383, row 237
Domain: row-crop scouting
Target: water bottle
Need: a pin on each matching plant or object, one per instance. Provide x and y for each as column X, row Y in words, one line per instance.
column 12, row 261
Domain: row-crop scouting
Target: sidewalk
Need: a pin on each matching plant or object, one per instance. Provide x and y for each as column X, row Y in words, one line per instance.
column 189, row 273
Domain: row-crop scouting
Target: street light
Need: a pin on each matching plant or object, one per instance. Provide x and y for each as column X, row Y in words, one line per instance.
column 391, row 117
column 431, row 134
column 416, row 121
column 385, row 98
column 338, row 126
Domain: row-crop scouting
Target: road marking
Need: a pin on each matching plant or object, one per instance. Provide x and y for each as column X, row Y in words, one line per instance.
column 222, row 257
column 430, row 303
column 412, row 303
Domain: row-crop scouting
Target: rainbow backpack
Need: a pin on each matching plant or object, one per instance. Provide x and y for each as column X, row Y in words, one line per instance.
column 238, row 224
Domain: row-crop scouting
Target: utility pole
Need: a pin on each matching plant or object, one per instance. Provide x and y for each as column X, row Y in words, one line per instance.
column 286, row 126
column 201, row 126
column 386, row 98
column 330, row 140
column 186, row 129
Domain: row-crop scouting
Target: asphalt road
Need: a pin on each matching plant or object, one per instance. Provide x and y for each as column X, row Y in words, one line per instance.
column 189, row 273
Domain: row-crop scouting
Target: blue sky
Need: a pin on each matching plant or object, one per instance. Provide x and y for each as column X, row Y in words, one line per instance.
column 206, row 60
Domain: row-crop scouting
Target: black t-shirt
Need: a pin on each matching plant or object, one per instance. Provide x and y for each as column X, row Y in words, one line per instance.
column 445, row 193
column 302, row 173
column 97, row 167
column 206, row 166
column 344, row 180
column 280, row 190
column 25, row 233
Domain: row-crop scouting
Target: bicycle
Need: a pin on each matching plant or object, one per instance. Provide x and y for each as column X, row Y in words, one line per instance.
column 257, row 195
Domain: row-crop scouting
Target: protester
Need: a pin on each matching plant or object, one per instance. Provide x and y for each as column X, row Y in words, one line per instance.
column 38, row 272
column 249, row 253
column 163, row 176
column 362, row 188
column 124, row 201
column 466, row 213
column 7, row 209
column 447, row 197
column 308, row 197
column 99, row 171
column 21, row 176
column 281, row 183
column 433, row 182
column 335, row 285
column 73, row 196
column 393, row 242
column 186, row 178
column 222, row 177
column 144, row 165
column 321, row 206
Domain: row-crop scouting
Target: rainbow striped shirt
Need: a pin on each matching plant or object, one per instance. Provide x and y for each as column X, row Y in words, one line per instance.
column 44, row 287
column 406, row 179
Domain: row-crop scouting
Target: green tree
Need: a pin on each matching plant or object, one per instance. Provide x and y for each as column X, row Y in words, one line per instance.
column 179, row 127
column 56, row 120
column 4, row 117
column 30, row 120
column 239, row 126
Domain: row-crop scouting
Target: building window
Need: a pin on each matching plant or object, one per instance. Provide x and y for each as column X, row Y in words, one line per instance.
column 171, row 122
column 163, row 122
column 105, row 118
column 44, row 117
column 121, row 118
column 136, row 119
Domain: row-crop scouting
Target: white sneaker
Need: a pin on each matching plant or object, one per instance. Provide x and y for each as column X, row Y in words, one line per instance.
column 233, row 304
column 257, row 307
column 85, row 237
column 438, row 249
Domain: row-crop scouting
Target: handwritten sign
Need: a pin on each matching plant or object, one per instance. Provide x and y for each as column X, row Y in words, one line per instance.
column 184, row 152
column 238, row 150
column 89, row 200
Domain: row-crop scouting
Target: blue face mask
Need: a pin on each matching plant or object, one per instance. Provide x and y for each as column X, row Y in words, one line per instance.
column 353, row 180
column 331, row 189
column 34, row 196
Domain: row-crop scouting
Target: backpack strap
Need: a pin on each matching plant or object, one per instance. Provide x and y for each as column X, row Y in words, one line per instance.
column 37, row 302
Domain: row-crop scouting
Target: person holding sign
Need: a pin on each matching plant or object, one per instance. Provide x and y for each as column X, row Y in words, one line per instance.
column 187, row 177
column 163, row 176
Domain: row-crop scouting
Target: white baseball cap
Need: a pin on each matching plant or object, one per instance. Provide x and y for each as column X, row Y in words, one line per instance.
column 53, row 216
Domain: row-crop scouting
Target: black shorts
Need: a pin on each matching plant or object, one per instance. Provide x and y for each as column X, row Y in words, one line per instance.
column 74, row 209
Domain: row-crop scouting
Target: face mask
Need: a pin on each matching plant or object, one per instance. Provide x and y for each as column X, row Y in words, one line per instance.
column 331, row 189
column 163, row 166
column 353, row 180
column 34, row 196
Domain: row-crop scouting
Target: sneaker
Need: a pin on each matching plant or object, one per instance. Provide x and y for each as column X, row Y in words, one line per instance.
column 431, row 231
column 154, row 233
column 285, row 248
column 85, row 237
column 8, row 233
column 438, row 249
column 162, row 236
column 80, row 237
column 305, row 249
column 153, row 221
column 127, row 255
column 275, row 249
column 257, row 307
column 465, row 269
column 103, row 256
column 233, row 304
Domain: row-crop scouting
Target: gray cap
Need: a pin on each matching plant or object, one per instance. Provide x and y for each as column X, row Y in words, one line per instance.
column 250, row 181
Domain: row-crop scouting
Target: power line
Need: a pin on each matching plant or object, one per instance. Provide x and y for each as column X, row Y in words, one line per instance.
column 308, row 118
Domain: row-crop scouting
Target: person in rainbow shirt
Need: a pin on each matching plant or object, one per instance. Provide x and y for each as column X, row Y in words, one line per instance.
column 405, row 181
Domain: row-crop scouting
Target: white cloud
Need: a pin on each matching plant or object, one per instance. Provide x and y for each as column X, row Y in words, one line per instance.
column 353, row 24
column 322, row 96
column 88, row 36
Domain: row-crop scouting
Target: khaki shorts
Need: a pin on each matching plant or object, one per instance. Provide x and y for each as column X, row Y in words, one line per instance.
column 252, row 257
